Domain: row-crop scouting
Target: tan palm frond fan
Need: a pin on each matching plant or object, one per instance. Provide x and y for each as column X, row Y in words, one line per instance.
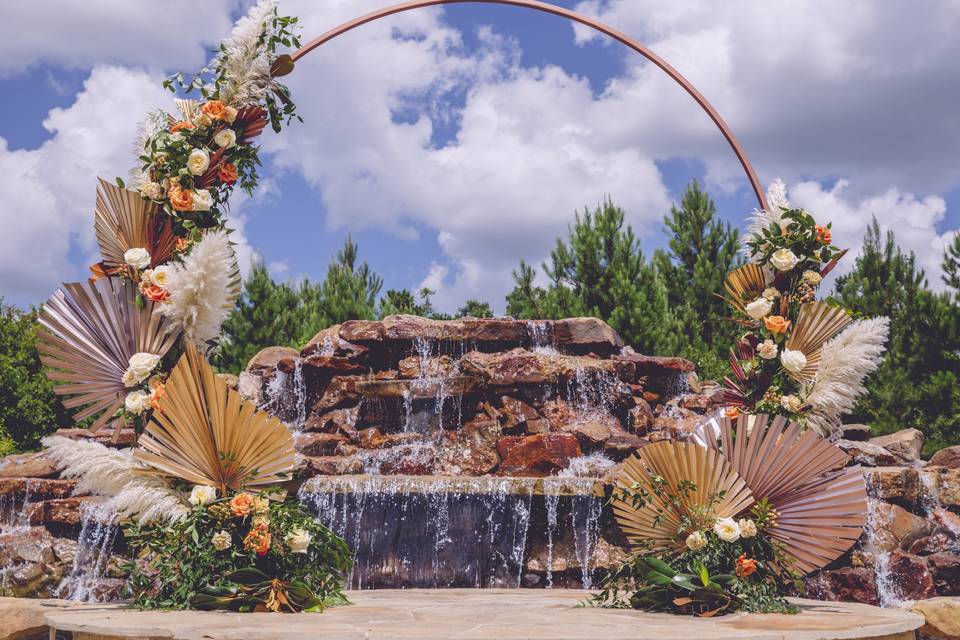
column 821, row 506
column 88, row 332
column 744, row 285
column 124, row 220
column 817, row 322
column 657, row 526
column 206, row 433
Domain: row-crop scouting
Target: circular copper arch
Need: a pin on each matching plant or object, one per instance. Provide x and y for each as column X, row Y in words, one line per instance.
column 576, row 17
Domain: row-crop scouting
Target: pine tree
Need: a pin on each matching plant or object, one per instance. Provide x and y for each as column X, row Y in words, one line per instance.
column 475, row 309
column 951, row 265
column 399, row 301
column 350, row 290
column 918, row 383
column 526, row 298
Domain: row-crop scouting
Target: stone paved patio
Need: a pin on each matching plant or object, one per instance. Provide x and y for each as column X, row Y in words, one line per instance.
column 478, row 614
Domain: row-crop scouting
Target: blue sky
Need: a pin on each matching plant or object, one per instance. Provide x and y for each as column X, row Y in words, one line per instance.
column 452, row 143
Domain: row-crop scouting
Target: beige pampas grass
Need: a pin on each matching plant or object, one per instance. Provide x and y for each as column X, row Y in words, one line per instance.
column 110, row 472
column 203, row 288
column 245, row 62
column 846, row 360
column 760, row 219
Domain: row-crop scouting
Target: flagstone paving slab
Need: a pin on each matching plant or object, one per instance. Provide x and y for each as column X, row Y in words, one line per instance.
column 473, row 614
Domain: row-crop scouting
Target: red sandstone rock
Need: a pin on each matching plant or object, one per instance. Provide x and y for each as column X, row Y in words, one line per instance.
column 846, row 585
column 947, row 457
column 855, row 432
column 537, row 455
column 335, row 421
column 267, row 359
column 333, row 465
column 318, row 444
column 37, row 488
column 334, row 365
column 591, row 333
column 655, row 366
column 106, row 437
column 442, row 366
column 60, row 511
column 898, row 527
column 894, row 484
column 27, row 465
column 623, row 446
column 868, row 454
column 931, row 544
column 361, row 331
column 905, row 444
column 913, row 580
column 471, row 450
column 592, row 434
column 944, row 568
column 516, row 413
column 641, row 416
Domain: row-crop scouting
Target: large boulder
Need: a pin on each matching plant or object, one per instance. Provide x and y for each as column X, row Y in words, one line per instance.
column 868, row 454
column 900, row 485
column 855, row 432
column 471, row 450
column 268, row 359
column 896, row 527
column 849, row 584
column 24, row 618
column 37, row 488
column 537, row 455
column 944, row 568
column 947, row 457
column 905, row 444
column 912, row 578
column 942, row 618
column 27, row 465
column 589, row 333
column 65, row 512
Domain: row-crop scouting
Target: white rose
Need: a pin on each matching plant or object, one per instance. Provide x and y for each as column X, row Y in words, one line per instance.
column 231, row 114
column 221, row 540
column 138, row 258
column 151, row 190
column 202, row 494
column 784, row 259
column 298, row 540
column 767, row 349
column 696, row 541
column 137, row 402
column 202, row 200
column 203, row 120
column 748, row 528
column 160, row 276
column 198, row 161
column 140, row 366
column 759, row 308
column 225, row 138
column 791, row 403
column 771, row 293
column 812, row 277
column 793, row 361
column 128, row 379
column 727, row 529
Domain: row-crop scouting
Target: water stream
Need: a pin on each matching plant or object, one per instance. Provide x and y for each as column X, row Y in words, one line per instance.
column 98, row 532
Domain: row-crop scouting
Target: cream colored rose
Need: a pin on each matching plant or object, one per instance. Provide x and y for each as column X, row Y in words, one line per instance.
column 139, row 368
column 160, row 276
column 203, row 120
column 202, row 200
column 138, row 258
column 198, row 161
column 225, row 138
column 727, row 529
column 770, row 293
column 784, row 259
column 136, row 402
column 758, row 308
column 202, row 494
column 151, row 190
column 221, row 540
column 298, row 541
column 791, row 403
column 793, row 361
column 696, row 541
column 748, row 528
column 767, row 349
column 812, row 277
column 230, row 114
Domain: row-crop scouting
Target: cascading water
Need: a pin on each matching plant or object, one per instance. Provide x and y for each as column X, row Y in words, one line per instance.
column 590, row 393
column 14, row 511
column 541, row 337
column 98, row 531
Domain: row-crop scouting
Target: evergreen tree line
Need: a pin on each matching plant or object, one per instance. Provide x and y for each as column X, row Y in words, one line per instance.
column 662, row 304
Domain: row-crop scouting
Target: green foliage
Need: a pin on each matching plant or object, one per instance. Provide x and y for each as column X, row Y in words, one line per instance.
column 177, row 566
column 350, row 290
column 600, row 270
column 951, row 265
column 29, row 409
column 918, row 383
column 475, row 309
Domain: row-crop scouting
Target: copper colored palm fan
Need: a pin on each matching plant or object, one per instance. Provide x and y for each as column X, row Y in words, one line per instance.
column 250, row 122
column 124, row 220
column 658, row 527
column 206, row 433
column 744, row 285
column 89, row 331
column 821, row 506
column 817, row 322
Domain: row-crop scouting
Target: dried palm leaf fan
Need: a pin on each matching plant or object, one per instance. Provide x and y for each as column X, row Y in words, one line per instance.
column 817, row 322
column 124, row 220
column 89, row 331
column 206, row 433
column 657, row 526
column 744, row 285
column 821, row 506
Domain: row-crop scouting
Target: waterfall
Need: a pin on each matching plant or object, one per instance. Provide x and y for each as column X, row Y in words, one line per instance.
column 98, row 531
column 541, row 337
column 590, row 394
column 14, row 513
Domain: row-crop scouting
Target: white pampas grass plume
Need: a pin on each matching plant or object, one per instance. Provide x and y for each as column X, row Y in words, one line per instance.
column 760, row 219
column 847, row 359
column 152, row 123
column 244, row 61
column 203, row 288
column 111, row 473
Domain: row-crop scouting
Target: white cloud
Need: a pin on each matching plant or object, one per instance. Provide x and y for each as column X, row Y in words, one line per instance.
column 170, row 34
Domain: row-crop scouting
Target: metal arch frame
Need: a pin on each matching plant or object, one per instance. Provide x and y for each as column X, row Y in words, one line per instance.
column 575, row 17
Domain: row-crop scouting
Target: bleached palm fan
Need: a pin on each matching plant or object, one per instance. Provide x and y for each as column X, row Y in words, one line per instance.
column 821, row 506
column 817, row 322
column 656, row 525
column 206, row 433
column 124, row 220
column 89, row 331
column 744, row 285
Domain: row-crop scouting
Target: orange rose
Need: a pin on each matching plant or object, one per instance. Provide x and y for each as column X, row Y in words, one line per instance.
column 732, row 412
column 823, row 235
column 242, row 504
column 745, row 566
column 182, row 125
column 158, row 390
column 227, row 172
column 183, row 244
column 776, row 324
column 216, row 109
column 258, row 539
column 180, row 199
column 153, row 293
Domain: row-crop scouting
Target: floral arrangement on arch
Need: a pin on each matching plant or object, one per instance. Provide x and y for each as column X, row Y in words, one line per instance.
column 200, row 495
column 800, row 357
